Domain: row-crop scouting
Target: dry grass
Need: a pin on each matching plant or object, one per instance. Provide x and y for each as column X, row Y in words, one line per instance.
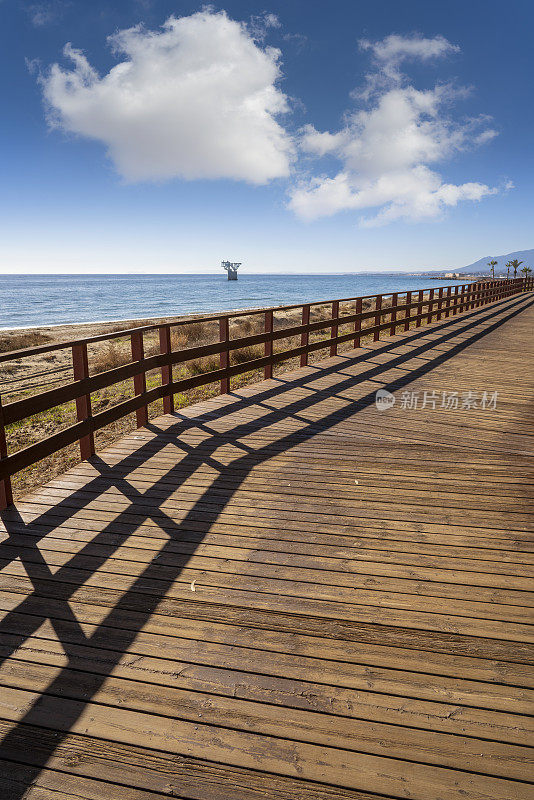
column 18, row 341
column 126, row 326
column 202, row 365
column 111, row 355
column 246, row 354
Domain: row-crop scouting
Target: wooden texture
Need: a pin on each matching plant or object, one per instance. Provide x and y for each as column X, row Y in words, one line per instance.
column 286, row 593
column 139, row 381
column 166, row 371
column 80, row 370
column 6, row 493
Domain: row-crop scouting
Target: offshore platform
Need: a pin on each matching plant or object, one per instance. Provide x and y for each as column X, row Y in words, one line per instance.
column 231, row 267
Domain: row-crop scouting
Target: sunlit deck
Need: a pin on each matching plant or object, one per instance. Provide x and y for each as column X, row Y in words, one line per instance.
column 285, row 593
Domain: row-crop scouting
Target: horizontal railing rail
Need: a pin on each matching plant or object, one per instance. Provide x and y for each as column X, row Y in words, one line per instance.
column 417, row 308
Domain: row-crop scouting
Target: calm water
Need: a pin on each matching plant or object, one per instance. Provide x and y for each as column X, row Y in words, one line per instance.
column 34, row 300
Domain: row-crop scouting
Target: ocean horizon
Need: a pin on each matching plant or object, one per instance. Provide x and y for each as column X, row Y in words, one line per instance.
column 31, row 301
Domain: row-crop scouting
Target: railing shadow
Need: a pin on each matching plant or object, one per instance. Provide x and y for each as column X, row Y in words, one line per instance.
column 50, row 593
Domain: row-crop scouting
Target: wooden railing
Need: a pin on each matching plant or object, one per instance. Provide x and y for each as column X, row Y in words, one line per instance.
column 417, row 307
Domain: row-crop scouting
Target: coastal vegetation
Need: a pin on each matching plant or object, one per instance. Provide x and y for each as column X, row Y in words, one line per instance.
column 18, row 341
column 24, row 377
column 514, row 264
column 492, row 264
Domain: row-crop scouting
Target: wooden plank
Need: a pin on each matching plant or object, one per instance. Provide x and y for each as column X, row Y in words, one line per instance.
column 285, row 591
column 49, row 784
column 139, row 381
column 306, row 648
column 210, row 563
column 251, row 750
column 80, row 371
column 234, row 713
column 279, row 560
column 6, row 493
column 171, row 775
column 217, row 670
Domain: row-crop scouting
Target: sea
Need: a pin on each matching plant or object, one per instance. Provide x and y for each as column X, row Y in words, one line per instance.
column 29, row 301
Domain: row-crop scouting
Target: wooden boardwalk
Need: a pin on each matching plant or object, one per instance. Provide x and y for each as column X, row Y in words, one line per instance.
column 284, row 593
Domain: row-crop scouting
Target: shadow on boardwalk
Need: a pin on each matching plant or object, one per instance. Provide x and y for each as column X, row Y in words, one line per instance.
column 150, row 587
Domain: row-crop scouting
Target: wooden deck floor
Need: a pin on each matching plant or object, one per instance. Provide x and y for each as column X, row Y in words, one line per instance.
column 286, row 594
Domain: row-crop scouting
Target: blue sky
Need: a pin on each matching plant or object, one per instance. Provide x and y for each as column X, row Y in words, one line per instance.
column 295, row 136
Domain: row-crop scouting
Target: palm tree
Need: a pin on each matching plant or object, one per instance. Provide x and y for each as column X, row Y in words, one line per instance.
column 492, row 264
column 526, row 270
column 508, row 269
column 515, row 264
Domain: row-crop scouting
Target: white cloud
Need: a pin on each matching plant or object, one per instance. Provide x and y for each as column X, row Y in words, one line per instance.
column 385, row 149
column 394, row 48
column 197, row 99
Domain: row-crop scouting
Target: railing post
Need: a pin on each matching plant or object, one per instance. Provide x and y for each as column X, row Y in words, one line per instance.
column 420, row 308
column 6, row 493
column 305, row 335
column 80, row 370
column 448, row 301
column 269, row 323
column 139, row 381
column 165, row 348
column 224, row 336
column 358, row 322
column 455, row 303
column 440, row 302
column 378, row 316
column 430, row 306
column 335, row 328
column 394, row 303
column 472, row 291
column 408, row 312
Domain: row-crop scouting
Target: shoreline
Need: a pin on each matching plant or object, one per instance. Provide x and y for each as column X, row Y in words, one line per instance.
column 113, row 322
column 77, row 312
column 139, row 321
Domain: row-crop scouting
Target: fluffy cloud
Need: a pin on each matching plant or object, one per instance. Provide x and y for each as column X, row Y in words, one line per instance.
column 197, row 99
column 390, row 52
column 200, row 98
column 385, row 149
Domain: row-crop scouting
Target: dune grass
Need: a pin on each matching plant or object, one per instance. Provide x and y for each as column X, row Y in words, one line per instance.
column 17, row 341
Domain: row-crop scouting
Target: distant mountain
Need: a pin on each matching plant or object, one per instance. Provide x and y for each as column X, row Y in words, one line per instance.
column 480, row 267
column 526, row 256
